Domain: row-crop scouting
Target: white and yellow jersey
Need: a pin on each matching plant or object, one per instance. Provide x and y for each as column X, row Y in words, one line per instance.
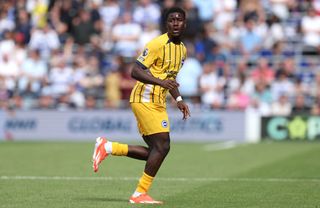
column 164, row 60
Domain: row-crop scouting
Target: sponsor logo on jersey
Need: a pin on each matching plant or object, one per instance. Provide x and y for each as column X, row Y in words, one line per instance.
column 145, row 52
column 141, row 59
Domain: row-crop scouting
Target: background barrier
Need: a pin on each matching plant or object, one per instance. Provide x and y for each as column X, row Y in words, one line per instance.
column 118, row 125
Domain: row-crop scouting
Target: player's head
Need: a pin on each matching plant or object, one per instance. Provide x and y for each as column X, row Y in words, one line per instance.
column 175, row 22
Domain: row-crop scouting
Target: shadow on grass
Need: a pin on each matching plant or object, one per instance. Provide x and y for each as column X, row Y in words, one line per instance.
column 103, row 199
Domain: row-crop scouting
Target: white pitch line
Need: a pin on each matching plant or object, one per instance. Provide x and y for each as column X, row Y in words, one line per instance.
column 79, row 178
column 221, row 146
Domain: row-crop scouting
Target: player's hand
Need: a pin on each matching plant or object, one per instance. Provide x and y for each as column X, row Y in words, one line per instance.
column 183, row 107
column 169, row 84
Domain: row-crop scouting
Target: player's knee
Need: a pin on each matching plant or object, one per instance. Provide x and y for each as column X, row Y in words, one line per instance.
column 167, row 148
column 164, row 149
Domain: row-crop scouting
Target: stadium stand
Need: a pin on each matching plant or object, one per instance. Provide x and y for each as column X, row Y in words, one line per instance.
column 259, row 55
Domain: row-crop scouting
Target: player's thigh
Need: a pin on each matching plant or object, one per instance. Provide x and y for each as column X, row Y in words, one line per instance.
column 151, row 118
column 157, row 140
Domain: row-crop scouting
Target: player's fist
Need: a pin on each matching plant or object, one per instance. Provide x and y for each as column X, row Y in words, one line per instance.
column 169, row 84
column 183, row 107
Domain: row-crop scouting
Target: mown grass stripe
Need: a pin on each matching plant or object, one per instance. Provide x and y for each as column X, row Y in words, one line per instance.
column 183, row 179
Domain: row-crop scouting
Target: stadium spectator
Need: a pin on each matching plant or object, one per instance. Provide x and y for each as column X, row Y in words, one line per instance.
column 251, row 9
column 92, row 81
column 83, row 27
column 90, row 102
column 10, row 72
column 33, row 71
column 240, row 79
column 250, row 42
column 38, row 10
column 238, row 100
column 315, row 108
column 97, row 50
column 150, row 31
column 225, row 13
column 259, row 108
column 282, row 106
column 275, row 34
column 281, row 8
column 225, row 79
column 76, row 97
column 5, row 23
column 68, row 50
column 282, row 85
column 109, row 12
column 93, row 8
column 193, row 20
column 45, row 102
column 299, row 106
column 126, row 84
column 205, row 44
column 262, row 93
column 18, row 103
column 60, row 77
column 227, row 38
column 19, row 51
column 300, row 87
column 66, row 11
column 314, row 87
column 189, row 75
column 7, row 44
column 125, row 36
column 4, row 96
column 316, row 5
column 206, row 10
column 263, row 72
column 211, row 90
column 45, row 40
column 112, row 89
column 310, row 26
column 63, row 102
column 61, row 27
column 146, row 11
column 288, row 66
column 23, row 25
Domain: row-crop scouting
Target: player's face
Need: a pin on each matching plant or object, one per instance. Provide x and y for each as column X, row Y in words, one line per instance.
column 175, row 24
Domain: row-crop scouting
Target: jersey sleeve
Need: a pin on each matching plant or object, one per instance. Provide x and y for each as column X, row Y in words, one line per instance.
column 149, row 55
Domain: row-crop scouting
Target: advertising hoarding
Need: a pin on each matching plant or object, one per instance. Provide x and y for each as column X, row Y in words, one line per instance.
column 119, row 125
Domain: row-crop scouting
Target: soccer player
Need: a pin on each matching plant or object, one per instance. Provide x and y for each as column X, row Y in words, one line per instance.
column 155, row 71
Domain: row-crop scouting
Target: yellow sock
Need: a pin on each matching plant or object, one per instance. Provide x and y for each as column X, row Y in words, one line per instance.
column 119, row 149
column 144, row 183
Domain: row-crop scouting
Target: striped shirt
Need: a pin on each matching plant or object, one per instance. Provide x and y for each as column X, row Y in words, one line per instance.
column 164, row 60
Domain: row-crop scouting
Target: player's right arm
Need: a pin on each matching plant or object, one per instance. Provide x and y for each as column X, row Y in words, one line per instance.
column 142, row 74
column 145, row 61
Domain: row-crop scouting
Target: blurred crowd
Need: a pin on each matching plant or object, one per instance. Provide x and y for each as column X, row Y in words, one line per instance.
column 254, row 55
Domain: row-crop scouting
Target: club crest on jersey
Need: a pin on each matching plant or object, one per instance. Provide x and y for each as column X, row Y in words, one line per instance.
column 164, row 124
column 145, row 52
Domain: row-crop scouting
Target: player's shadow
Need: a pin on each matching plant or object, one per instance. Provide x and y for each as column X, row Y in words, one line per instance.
column 104, row 199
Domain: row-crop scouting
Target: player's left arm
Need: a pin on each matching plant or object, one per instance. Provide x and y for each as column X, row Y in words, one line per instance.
column 183, row 107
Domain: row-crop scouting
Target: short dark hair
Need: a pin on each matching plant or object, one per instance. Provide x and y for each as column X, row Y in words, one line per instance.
column 173, row 10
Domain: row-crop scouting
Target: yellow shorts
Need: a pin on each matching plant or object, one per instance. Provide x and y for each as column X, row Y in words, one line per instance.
column 152, row 118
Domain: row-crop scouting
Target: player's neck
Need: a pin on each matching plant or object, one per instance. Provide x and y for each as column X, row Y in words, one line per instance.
column 175, row 40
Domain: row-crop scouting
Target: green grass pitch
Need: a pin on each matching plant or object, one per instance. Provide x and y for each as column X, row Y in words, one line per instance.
column 59, row 174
